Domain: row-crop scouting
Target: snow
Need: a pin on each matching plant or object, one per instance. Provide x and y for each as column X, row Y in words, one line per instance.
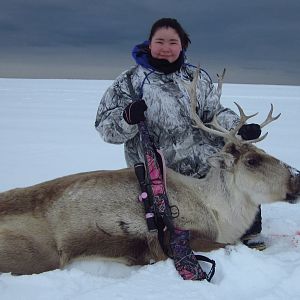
column 47, row 131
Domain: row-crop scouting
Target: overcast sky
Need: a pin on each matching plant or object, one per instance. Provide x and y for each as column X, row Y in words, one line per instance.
column 258, row 41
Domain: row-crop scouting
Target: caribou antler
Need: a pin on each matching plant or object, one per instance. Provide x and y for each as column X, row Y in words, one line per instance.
column 269, row 118
column 217, row 128
column 267, row 121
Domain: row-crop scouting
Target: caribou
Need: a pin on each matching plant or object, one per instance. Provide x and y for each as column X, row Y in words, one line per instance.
column 45, row 226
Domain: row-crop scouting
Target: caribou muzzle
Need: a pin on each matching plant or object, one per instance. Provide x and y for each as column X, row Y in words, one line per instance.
column 293, row 195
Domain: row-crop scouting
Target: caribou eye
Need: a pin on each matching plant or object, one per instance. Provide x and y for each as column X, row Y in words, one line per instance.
column 253, row 161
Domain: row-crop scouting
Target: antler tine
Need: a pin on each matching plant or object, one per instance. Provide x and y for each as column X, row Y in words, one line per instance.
column 255, row 140
column 243, row 119
column 220, row 81
column 269, row 118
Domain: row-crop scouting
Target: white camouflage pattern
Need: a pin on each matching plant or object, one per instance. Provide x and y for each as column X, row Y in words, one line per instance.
column 185, row 148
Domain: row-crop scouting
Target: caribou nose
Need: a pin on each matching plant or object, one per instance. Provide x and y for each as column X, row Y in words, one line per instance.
column 296, row 177
column 297, row 182
column 294, row 194
column 294, row 173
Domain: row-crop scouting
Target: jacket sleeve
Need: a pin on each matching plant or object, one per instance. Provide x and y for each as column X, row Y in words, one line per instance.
column 109, row 119
column 212, row 106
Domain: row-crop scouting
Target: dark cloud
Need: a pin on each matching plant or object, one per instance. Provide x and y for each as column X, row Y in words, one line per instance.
column 258, row 41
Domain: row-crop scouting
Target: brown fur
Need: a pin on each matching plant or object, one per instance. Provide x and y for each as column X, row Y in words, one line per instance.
column 200, row 243
column 26, row 255
column 39, row 197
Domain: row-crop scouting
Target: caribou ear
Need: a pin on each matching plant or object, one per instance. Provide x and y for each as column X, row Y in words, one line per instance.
column 221, row 160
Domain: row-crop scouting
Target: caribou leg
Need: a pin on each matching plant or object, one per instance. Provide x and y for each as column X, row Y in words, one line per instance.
column 21, row 254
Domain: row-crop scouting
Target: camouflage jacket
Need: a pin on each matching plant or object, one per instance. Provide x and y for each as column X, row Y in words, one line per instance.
column 185, row 148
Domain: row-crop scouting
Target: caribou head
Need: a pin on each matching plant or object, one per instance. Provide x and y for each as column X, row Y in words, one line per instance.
column 253, row 171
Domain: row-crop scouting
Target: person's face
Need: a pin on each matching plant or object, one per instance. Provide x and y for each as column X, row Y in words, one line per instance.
column 165, row 44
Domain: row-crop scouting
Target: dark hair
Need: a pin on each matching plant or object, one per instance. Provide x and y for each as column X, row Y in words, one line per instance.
column 173, row 23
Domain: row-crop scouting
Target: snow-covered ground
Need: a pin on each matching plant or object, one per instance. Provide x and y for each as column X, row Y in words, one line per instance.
column 47, row 131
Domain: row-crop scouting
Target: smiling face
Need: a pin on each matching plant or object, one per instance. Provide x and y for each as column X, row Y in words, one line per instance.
column 165, row 44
